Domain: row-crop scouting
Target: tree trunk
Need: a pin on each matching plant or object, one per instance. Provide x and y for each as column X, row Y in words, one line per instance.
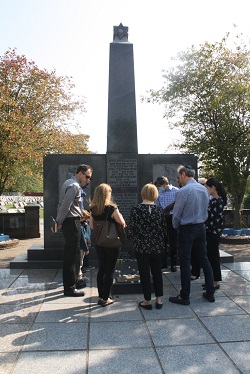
column 237, row 215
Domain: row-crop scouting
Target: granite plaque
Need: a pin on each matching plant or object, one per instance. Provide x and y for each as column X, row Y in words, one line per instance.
column 126, row 201
column 122, row 172
column 166, row 170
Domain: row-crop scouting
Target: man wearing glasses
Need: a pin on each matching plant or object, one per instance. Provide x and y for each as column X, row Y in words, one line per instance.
column 68, row 219
column 189, row 215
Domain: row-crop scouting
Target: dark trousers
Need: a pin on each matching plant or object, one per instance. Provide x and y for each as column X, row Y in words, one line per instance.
column 193, row 237
column 71, row 256
column 107, row 258
column 195, row 264
column 147, row 263
column 213, row 254
column 172, row 240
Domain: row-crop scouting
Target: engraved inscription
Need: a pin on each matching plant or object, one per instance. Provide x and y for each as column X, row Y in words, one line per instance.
column 122, row 173
column 126, row 201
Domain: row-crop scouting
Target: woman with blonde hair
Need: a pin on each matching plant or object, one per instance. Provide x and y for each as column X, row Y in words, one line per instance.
column 103, row 208
column 147, row 228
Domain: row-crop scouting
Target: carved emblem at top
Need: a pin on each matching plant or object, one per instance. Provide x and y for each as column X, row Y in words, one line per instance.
column 121, row 33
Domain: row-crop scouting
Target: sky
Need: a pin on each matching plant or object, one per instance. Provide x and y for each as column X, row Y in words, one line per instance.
column 73, row 37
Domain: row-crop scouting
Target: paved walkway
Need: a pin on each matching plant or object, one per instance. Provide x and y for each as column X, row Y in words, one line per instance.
column 44, row 332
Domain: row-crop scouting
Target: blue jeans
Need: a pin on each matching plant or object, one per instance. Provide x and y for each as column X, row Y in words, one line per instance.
column 193, row 237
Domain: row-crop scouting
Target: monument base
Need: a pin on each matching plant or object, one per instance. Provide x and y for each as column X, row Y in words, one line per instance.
column 39, row 258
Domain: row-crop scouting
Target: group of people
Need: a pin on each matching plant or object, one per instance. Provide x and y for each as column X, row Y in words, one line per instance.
column 189, row 218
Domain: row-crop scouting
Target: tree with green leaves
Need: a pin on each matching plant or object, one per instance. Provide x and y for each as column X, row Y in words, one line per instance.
column 207, row 96
column 36, row 109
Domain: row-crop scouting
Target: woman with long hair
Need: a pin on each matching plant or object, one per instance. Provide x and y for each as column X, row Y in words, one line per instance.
column 214, row 225
column 103, row 208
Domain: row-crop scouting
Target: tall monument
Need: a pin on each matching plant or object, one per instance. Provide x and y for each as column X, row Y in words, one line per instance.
column 122, row 129
column 122, row 167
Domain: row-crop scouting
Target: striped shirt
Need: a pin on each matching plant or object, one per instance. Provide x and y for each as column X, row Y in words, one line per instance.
column 167, row 197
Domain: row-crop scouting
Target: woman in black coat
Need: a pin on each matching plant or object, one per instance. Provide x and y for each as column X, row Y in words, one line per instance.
column 147, row 228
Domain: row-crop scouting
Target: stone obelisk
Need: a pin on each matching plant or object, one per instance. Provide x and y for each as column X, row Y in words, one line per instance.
column 121, row 167
column 122, row 127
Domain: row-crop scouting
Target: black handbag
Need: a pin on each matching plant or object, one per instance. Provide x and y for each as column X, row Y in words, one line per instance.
column 108, row 234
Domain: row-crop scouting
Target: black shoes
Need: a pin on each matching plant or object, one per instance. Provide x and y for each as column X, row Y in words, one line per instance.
column 194, row 277
column 81, row 284
column 89, row 267
column 204, row 286
column 173, row 269
column 74, row 292
column 178, row 300
column 148, row 307
column 209, row 297
column 158, row 306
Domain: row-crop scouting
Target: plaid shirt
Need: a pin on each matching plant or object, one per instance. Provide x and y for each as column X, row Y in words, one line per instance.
column 167, row 197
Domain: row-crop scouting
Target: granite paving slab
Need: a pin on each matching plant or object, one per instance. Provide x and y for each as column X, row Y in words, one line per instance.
column 6, row 283
column 221, row 306
column 198, row 359
column 66, row 362
column 228, row 328
column 243, row 273
column 13, row 336
column 174, row 278
column 238, row 265
column 128, row 297
column 28, row 283
column 18, row 313
column 106, row 335
column 178, row 332
column 56, row 337
column 237, row 288
column 168, row 311
column 56, row 296
column 119, row 311
column 38, row 273
column 16, row 296
column 56, row 284
column 167, row 291
column 10, row 273
column 50, row 312
column 197, row 291
column 230, row 276
column 40, row 328
column 239, row 353
column 8, row 361
column 123, row 361
column 243, row 302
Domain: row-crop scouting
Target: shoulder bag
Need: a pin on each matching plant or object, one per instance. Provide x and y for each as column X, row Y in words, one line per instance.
column 108, row 234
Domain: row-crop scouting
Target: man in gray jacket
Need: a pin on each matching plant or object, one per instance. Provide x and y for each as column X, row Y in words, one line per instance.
column 68, row 220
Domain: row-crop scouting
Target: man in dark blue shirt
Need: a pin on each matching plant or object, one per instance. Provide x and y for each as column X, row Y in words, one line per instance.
column 189, row 215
